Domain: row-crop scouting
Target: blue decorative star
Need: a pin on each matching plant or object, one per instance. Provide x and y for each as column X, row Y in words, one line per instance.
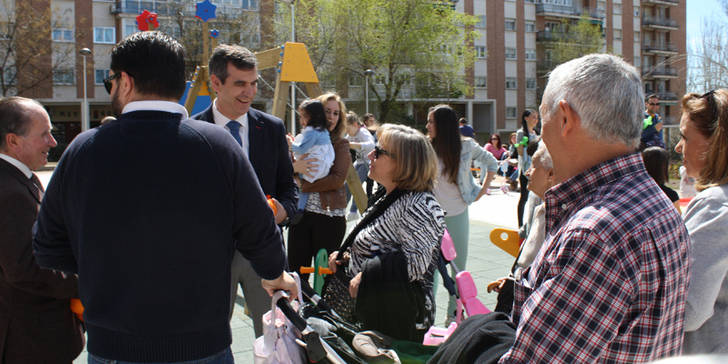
column 205, row 10
column 214, row 33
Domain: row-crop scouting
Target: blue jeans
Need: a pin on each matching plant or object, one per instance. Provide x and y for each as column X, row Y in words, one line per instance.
column 223, row 357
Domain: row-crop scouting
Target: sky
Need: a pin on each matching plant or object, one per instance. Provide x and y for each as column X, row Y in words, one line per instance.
column 697, row 10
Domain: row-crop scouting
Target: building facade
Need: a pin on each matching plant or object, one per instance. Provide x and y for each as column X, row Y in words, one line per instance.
column 512, row 56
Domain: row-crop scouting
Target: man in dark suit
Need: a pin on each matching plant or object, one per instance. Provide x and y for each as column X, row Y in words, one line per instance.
column 234, row 77
column 36, row 323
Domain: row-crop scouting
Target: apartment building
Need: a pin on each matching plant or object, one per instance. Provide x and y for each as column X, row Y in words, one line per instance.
column 508, row 75
column 650, row 34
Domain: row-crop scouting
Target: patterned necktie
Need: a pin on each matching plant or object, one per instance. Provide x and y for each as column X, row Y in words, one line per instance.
column 234, row 127
column 39, row 186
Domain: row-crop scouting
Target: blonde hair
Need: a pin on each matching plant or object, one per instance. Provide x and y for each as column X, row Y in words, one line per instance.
column 415, row 159
column 340, row 128
column 709, row 115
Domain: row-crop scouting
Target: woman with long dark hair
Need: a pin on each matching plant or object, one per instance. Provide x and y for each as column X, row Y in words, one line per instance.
column 525, row 136
column 456, row 188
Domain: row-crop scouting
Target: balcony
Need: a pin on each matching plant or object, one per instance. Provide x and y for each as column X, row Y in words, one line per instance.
column 666, row 49
column 568, row 11
column 660, row 73
column 662, row 2
column 659, row 23
column 667, row 96
column 136, row 7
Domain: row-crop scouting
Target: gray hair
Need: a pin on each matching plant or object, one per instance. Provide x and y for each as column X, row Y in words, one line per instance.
column 543, row 156
column 605, row 91
column 14, row 116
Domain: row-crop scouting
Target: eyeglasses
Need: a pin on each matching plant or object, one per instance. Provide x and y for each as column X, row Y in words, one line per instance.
column 107, row 81
column 378, row 151
column 710, row 100
column 652, row 103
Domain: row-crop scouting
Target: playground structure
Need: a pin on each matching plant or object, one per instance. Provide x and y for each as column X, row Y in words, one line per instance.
column 292, row 64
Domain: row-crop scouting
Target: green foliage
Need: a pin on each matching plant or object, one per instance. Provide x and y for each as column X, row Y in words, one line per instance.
column 576, row 39
column 396, row 39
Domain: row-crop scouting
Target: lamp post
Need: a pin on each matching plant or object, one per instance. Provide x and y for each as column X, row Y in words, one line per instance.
column 84, row 106
column 293, row 84
column 367, row 73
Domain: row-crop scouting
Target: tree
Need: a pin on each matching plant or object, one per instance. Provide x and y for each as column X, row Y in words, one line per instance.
column 27, row 53
column 574, row 40
column 411, row 44
column 708, row 55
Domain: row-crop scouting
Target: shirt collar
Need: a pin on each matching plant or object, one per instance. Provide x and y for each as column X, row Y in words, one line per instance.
column 18, row 164
column 570, row 195
column 156, row 105
column 221, row 119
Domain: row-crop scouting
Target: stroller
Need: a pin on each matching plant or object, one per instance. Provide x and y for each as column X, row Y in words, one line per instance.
column 325, row 337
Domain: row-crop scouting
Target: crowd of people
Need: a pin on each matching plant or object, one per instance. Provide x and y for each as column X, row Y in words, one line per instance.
column 155, row 218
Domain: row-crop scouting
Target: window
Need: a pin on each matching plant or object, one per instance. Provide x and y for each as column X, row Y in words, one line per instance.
column 510, row 112
column 62, row 35
column 106, row 35
column 617, row 8
column 530, row 27
column 636, row 11
column 618, row 34
column 530, row 54
column 481, row 82
column 243, row 4
column 510, row 24
column 100, row 75
column 130, row 29
column 531, row 83
column 63, row 77
column 480, row 52
column 510, row 53
column 356, row 80
column 481, row 22
column 10, row 74
column 636, row 37
column 511, row 83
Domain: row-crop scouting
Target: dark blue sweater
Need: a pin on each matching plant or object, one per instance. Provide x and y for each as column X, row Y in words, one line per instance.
column 148, row 211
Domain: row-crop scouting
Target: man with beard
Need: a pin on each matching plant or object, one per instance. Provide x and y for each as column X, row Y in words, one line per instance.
column 148, row 209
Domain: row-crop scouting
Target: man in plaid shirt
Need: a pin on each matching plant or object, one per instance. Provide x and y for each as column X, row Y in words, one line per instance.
column 609, row 283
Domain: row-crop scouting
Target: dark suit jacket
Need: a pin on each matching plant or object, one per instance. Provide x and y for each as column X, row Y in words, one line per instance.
column 36, row 323
column 268, row 153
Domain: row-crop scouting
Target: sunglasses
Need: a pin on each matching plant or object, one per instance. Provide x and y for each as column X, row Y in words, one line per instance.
column 379, row 152
column 652, row 103
column 710, row 100
column 107, row 81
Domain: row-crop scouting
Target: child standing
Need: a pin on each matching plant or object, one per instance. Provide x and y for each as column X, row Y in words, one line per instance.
column 314, row 140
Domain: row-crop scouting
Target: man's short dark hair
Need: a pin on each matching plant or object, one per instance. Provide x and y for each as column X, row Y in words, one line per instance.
column 13, row 117
column 651, row 96
column 367, row 116
column 463, row 121
column 242, row 58
column 155, row 60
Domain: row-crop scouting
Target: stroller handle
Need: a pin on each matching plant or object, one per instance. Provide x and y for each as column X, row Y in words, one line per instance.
column 291, row 314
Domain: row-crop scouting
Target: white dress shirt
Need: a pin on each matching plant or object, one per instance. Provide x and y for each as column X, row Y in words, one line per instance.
column 18, row 164
column 156, row 105
column 222, row 120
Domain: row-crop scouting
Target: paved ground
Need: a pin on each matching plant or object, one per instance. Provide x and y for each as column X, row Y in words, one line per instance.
column 486, row 262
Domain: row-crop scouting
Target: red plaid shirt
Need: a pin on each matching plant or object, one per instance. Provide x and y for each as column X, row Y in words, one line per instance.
column 610, row 282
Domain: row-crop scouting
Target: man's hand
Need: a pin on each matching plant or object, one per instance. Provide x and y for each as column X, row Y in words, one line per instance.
column 285, row 282
column 281, row 213
column 354, row 285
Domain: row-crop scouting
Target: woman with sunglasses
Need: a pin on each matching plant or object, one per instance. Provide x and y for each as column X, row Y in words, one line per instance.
column 456, row 188
column 704, row 146
column 390, row 257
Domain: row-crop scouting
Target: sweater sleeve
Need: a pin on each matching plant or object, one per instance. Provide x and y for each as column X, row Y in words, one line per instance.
column 258, row 238
column 422, row 225
column 707, row 223
column 337, row 173
column 51, row 238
